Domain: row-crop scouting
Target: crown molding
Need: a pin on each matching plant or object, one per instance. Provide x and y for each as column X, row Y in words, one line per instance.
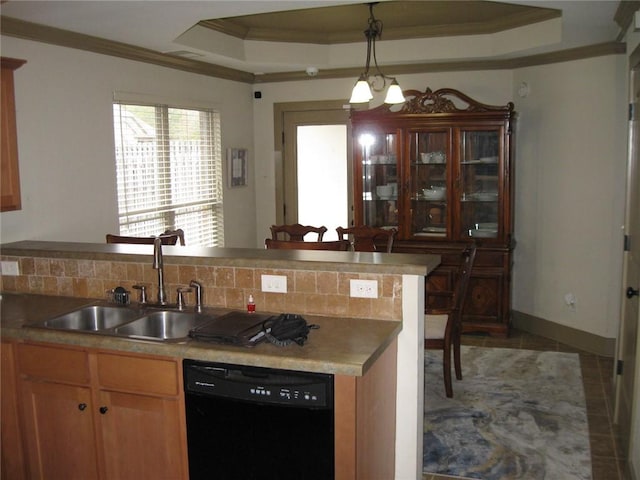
column 624, row 15
column 55, row 36
column 597, row 50
column 65, row 38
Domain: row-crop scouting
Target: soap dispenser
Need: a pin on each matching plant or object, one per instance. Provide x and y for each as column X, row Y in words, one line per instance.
column 251, row 305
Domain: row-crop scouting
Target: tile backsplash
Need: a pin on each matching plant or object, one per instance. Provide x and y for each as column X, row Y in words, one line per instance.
column 314, row 292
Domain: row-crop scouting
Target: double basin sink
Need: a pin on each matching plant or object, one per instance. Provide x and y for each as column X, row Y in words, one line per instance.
column 148, row 323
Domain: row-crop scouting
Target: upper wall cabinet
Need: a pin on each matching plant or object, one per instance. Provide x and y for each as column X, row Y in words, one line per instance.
column 439, row 169
column 10, row 178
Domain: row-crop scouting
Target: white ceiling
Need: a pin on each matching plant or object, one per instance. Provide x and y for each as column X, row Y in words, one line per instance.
column 161, row 25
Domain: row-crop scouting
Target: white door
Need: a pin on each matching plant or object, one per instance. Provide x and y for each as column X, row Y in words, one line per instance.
column 316, row 169
column 627, row 410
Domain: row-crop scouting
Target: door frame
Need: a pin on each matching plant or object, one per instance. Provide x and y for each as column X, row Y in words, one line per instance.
column 324, row 109
column 627, row 347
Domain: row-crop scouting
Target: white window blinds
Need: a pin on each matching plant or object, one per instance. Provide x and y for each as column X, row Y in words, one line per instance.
column 169, row 172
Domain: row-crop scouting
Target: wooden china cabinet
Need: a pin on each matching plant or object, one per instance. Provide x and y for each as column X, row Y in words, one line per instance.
column 439, row 168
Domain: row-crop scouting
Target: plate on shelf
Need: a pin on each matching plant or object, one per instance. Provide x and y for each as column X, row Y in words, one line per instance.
column 435, row 229
column 482, row 196
column 488, row 160
column 487, row 226
column 483, row 233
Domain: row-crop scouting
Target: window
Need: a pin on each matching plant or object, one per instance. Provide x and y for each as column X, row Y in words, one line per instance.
column 169, row 172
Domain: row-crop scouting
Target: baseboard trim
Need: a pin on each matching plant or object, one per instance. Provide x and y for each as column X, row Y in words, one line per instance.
column 586, row 341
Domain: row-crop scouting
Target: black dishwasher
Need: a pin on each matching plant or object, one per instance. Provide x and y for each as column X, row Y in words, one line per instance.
column 254, row 423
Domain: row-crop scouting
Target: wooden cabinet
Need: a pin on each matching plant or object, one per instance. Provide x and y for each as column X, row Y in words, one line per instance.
column 439, row 168
column 143, row 417
column 91, row 414
column 365, row 421
column 12, row 458
column 9, row 174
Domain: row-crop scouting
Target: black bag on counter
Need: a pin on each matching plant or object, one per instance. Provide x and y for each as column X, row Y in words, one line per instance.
column 249, row 329
column 235, row 328
column 286, row 329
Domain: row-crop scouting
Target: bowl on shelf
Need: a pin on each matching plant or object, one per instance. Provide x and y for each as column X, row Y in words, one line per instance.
column 434, row 193
column 384, row 191
column 433, row 157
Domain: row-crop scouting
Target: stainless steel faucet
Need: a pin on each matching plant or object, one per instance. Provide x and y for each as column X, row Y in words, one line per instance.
column 198, row 288
column 158, row 265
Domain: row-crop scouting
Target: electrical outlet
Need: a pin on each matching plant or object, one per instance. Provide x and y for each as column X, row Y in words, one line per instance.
column 364, row 288
column 274, row 283
column 10, row 268
column 570, row 301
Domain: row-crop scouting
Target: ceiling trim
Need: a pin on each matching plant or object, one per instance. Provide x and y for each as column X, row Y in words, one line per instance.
column 233, row 28
column 624, row 15
column 55, row 36
column 598, row 50
column 65, row 38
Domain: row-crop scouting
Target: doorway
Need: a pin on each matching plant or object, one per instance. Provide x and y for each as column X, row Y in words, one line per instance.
column 627, row 412
column 313, row 179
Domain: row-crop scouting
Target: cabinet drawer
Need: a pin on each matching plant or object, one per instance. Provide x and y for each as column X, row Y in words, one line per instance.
column 53, row 363
column 138, row 374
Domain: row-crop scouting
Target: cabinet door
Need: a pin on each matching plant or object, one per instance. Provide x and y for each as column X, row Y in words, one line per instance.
column 429, row 163
column 9, row 177
column 142, row 436
column 480, row 184
column 59, row 431
column 12, row 455
column 378, row 176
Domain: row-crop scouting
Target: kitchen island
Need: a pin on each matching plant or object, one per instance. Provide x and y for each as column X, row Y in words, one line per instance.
column 371, row 345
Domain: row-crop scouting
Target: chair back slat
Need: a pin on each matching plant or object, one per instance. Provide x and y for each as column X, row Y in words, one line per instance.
column 462, row 285
column 296, row 232
column 364, row 237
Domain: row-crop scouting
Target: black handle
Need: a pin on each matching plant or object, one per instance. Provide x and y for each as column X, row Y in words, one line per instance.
column 632, row 293
column 82, row 406
column 103, row 410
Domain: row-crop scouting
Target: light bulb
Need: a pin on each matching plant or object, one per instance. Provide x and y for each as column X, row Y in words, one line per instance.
column 361, row 91
column 394, row 93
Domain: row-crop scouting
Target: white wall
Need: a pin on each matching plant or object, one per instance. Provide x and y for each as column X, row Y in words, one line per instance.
column 570, row 180
column 65, row 139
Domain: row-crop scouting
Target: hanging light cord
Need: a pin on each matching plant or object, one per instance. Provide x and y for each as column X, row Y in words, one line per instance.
column 373, row 32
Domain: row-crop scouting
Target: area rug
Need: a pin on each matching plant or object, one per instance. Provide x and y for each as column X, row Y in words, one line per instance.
column 517, row 414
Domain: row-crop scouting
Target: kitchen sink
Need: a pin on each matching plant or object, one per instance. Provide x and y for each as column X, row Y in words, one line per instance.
column 162, row 325
column 92, row 319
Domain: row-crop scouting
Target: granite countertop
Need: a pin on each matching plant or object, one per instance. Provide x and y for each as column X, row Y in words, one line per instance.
column 364, row 262
column 343, row 346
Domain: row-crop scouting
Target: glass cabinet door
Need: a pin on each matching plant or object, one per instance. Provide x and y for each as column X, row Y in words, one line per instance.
column 379, row 179
column 429, row 160
column 480, row 182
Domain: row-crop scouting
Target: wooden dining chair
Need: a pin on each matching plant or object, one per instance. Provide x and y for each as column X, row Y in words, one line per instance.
column 364, row 238
column 339, row 245
column 295, row 232
column 443, row 327
column 169, row 237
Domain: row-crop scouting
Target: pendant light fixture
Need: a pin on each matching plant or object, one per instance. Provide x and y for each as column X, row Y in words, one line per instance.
column 362, row 90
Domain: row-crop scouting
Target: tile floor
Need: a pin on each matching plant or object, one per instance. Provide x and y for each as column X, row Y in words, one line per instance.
column 607, row 456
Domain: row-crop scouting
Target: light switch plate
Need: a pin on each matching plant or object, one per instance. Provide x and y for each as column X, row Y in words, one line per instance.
column 274, row 283
column 364, row 288
column 10, row 268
